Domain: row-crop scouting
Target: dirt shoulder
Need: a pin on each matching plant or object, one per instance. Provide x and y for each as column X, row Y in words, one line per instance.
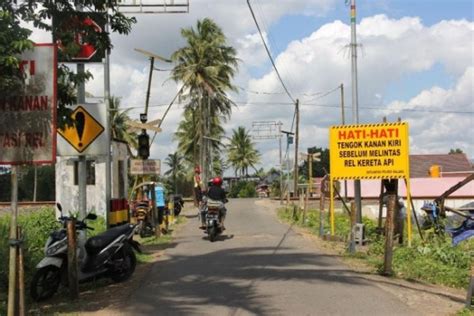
column 427, row 298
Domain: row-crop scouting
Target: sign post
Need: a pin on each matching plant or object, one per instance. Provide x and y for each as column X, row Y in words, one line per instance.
column 27, row 135
column 371, row 151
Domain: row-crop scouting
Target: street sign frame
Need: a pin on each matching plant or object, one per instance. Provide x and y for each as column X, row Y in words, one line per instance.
column 145, row 166
column 33, row 113
column 97, row 144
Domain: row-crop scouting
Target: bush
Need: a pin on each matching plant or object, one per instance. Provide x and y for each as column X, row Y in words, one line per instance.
column 36, row 227
column 436, row 261
column 243, row 189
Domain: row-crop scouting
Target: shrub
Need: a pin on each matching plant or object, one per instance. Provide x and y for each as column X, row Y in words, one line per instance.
column 36, row 227
column 243, row 189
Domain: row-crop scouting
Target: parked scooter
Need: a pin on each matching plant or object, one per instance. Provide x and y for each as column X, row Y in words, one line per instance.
column 108, row 254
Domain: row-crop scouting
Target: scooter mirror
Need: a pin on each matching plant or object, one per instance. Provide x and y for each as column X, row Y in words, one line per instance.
column 60, row 208
column 91, row 216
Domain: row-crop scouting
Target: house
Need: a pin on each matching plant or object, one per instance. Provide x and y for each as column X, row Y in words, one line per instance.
column 450, row 165
column 453, row 169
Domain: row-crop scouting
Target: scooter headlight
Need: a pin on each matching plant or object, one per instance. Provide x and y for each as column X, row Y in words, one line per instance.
column 54, row 248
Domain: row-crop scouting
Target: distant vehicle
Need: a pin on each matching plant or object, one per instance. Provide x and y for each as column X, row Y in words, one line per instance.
column 263, row 191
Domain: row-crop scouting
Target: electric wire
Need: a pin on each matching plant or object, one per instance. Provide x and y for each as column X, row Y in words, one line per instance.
column 269, row 54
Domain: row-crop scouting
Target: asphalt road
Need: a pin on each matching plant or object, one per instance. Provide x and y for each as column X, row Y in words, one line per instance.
column 258, row 267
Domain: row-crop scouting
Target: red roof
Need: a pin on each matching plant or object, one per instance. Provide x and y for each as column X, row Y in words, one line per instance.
column 456, row 164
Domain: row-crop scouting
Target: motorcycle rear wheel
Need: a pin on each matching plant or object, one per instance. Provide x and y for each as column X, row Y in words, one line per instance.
column 125, row 262
column 212, row 233
column 45, row 283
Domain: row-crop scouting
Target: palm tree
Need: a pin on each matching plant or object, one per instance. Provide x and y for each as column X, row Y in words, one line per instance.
column 174, row 161
column 241, row 152
column 205, row 67
column 119, row 128
column 188, row 138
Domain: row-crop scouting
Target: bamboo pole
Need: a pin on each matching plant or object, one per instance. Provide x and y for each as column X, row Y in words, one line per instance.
column 388, row 254
column 21, row 276
column 13, row 240
column 72, row 259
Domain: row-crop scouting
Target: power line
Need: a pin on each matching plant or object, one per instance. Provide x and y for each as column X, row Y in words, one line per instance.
column 269, row 54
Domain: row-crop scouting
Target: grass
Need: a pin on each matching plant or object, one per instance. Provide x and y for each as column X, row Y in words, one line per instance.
column 436, row 261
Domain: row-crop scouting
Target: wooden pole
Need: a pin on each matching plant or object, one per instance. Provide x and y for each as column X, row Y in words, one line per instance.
column 470, row 289
column 331, row 203
column 13, row 241
column 389, row 223
column 72, row 267
column 352, row 247
column 305, row 210
column 297, row 109
column 409, row 210
column 321, row 210
column 21, row 277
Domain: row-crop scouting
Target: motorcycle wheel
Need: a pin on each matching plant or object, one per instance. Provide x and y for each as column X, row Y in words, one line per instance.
column 142, row 229
column 45, row 283
column 212, row 233
column 124, row 263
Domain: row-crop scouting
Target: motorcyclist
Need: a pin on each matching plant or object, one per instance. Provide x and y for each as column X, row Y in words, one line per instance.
column 217, row 193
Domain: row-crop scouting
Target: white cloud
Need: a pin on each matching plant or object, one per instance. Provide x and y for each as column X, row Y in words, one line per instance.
column 392, row 51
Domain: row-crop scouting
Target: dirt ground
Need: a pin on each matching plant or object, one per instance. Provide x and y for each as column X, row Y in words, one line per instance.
column 104, row 296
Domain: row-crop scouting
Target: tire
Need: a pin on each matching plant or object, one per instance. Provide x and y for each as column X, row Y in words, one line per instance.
column 142, row 229
column 45, row 283
column 124, row 263
column 212, row 233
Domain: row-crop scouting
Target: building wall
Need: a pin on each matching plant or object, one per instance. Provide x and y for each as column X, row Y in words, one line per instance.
column 67, row 193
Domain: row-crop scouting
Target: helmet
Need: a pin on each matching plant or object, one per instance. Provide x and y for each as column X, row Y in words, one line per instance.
column 197, row 169
column 217, row 181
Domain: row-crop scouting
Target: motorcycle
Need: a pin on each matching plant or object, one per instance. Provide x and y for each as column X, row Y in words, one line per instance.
column 143, row 215
column 108, row 254
column 213, row 218
column 178, row 204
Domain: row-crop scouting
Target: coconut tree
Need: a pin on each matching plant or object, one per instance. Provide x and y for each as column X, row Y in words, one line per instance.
column 188, row 138
column 241, row 152
column 205, row 67
column 174, row 161
column 119, row 127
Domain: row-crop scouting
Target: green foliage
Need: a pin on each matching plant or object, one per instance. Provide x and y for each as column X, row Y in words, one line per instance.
column 241, row 151
column 36, row 227
column 436, row 261
column 205, row 67
column 248, row 191
column 243, row 189
column 14, row 40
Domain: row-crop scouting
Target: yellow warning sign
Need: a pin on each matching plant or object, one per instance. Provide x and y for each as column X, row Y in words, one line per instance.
column 84, row 131
column 372, row 151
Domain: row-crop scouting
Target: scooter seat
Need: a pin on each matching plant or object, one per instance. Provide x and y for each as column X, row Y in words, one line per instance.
column 97, row 243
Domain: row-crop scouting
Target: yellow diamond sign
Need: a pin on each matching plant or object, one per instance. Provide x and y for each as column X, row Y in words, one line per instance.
column 84, row 131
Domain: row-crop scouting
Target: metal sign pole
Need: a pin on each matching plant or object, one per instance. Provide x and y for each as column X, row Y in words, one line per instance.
column 82, row 168
column 13, row 241
column 108, row 186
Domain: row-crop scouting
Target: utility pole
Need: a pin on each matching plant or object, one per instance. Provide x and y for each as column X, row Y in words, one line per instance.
column 82, row 164
column 355, row 101
column 297, row 111
column 343, row 123
column 281, row 166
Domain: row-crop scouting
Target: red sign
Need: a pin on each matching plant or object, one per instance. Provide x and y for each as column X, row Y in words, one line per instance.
column 28, row 117
column 81, row 25
column 87, row 50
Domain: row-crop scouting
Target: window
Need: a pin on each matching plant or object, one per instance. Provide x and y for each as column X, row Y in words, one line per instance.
column 90, row 172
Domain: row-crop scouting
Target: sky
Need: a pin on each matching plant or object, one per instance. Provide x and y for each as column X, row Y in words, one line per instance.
column 415, row 62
